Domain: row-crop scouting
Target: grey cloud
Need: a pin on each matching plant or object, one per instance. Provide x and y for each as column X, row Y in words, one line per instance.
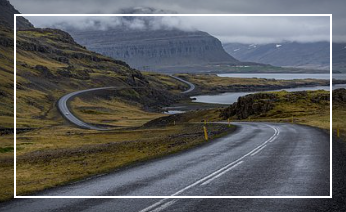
column 227, row 29
column 335, row 7
column 109, row 22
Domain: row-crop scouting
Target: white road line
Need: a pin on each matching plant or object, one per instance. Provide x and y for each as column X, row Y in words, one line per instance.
column 277, row 132
column 217, row 172
column 153, row 206
column 258, row 150
column 164, row 206
column 222, row 173
column 227, row 166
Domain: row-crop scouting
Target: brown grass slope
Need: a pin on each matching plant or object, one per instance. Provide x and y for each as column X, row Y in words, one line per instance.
column 50, row 64
column 49, row 151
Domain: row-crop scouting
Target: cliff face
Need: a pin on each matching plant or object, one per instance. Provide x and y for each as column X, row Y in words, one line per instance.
column 153, row 50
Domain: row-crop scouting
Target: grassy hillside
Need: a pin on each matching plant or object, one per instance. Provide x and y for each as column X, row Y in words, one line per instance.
column 50, row 64
column 6, row 77
column 303, row 107
column 51, row 151
column 307, row 107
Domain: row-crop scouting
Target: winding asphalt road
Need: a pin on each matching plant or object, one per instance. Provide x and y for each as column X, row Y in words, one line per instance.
column 66, row 113
column 271, row 159
column 192, row 86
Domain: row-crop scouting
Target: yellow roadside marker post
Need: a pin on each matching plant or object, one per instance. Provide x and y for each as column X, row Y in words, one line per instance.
column 174, row 122
column 205, row 133
column 205, row 121
column 338, row 131
column 229, row 122
column 292, row 119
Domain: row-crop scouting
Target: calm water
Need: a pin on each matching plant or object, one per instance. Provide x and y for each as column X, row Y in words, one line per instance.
column 171, row 112
column 229, row 98
column 285, row 76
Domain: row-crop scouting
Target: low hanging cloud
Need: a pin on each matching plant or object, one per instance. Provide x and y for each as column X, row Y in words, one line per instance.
column 111, row 22
column 246, row 29
column 334, row 7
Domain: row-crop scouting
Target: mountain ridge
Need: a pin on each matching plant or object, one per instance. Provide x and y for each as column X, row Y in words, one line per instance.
column 292, row 54
column 154, row 49
column 6, row 16
column 284, row 54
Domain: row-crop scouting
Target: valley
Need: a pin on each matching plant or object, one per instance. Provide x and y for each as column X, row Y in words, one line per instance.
column 118, row 112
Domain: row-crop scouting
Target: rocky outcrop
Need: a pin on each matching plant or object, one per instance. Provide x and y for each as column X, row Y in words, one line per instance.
column 72, row 72
column 253, row 104
column 44, row 71
column 339, row 95
column 260, row 104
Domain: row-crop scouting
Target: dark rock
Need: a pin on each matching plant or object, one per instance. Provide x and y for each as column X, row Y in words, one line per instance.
column 320, row 98
column 339, row 95
column 253, row 104
column 44, row 71
column 6, row 16
column 71, row 72
column 5, row 41
column 63, row 60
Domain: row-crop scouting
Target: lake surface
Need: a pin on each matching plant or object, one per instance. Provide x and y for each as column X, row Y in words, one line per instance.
column 229, row 98
column 171, row 112
column 284, row 76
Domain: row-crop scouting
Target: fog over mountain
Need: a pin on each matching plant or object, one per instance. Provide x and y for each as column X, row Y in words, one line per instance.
column 242, row 30
column 334, row 7
column 227, row 29
column 111, row 36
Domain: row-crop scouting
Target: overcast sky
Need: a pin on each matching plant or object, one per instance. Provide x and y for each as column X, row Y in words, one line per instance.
column 227, row 29
column 246, row 30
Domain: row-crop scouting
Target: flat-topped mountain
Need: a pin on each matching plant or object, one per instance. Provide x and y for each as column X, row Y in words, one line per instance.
column 156, row 49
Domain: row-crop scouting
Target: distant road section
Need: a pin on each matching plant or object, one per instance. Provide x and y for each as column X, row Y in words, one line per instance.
column 65, row 112
column 192, row 86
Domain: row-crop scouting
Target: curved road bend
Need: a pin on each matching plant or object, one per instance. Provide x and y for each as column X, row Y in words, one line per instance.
column 65, row 112
column 273, row 159
column 192, row 86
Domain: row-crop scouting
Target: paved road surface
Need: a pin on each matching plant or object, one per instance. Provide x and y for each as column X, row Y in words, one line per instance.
column 258, row 159
column 192, row 86
column 65, row 112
